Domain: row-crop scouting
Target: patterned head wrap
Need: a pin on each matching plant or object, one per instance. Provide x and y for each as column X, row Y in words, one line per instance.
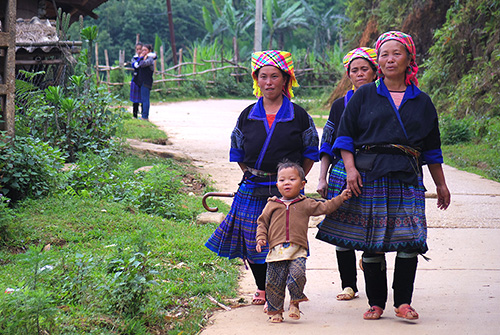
column 367, row 53
column 407, row 41
column 280, row 59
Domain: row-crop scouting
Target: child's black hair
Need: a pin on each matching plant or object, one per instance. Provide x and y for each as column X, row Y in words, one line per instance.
column 288, row 164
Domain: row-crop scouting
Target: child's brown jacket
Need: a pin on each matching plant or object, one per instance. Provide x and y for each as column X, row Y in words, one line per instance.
column 280, row 223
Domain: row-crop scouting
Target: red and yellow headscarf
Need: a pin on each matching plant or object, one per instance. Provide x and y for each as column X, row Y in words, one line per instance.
column 407, row 41
column 367, row 53
column 280, row 59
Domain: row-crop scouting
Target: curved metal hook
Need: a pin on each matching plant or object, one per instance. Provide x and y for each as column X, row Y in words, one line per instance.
column 214, row 194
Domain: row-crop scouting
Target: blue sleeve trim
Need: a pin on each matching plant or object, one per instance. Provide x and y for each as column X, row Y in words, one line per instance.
column 432, row 156
column 236, row 155
column 312, row 153
column 343, row 143
column 326, row 149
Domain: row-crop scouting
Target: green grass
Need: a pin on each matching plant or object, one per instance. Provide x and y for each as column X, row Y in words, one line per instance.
column 481, row 159
column 95, row 233
column 141, row 130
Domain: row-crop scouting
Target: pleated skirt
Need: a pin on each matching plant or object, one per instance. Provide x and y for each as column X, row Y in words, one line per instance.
column 135, row 93
column 389, row 215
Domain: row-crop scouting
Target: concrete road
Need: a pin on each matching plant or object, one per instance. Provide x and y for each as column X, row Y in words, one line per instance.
column 456, row 292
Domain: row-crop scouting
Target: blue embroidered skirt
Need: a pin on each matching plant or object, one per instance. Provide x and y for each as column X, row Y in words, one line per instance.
column 235, row 236
column 135, row 92
column 388, row 215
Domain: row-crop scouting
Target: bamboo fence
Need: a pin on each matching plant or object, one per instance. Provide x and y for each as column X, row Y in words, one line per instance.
column 179, row 73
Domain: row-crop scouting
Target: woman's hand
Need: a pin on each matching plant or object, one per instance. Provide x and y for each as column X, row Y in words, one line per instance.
column 443, row 197
column 260, row 244
column 354, row 180
column 443, row 194
column 322, row 187
column 323, row 171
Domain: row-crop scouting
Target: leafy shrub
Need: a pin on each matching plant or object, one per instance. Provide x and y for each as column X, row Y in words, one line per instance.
column 157, row 191
column 29, row 168
column 130, row 283
column 455, row 131
column 75, row 119
column 492, row 137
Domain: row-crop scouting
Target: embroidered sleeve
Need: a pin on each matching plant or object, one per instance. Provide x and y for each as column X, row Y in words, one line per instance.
column 431, row 151
column 327, row 139
column 236, row 153
column 310, row 140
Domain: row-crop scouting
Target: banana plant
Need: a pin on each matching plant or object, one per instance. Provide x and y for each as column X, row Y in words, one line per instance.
column 279, row 20
column 229, row 19
column 324, row 26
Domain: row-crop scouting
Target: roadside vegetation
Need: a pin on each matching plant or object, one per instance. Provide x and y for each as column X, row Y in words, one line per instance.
column 89, row 244
column 109, row 250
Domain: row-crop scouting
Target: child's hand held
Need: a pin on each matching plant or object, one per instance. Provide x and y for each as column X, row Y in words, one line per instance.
column 346, row 194
column 260, row 244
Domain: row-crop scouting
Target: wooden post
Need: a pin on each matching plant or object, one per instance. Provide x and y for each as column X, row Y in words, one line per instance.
column 121, row 58
column 8, row 86
column 194, row 59
column 97, row 62
column 162, row 60
column 137, row 40
column 235, row 48
column 180, row 61
column 179, row 71
column 106, row 58
column 257, row 41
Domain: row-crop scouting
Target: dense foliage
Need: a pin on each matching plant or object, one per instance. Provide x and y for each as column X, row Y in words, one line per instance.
column 316, row 28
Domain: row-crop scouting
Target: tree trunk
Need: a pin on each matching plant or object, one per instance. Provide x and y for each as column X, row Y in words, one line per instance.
column 171, row 29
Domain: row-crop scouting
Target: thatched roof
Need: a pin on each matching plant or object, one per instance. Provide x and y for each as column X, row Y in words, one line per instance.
column 35, row 31
column 40, row 34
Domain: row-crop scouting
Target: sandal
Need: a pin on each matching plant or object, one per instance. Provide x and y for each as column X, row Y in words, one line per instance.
column 294, row 311
column 347, row 294
column 259, row 297
column 276, row 318
column 405, row 311
column 374, row 313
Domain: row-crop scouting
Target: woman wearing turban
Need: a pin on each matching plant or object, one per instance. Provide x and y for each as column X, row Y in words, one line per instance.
column 388, row 131
column 267, row 132
column 361, row 68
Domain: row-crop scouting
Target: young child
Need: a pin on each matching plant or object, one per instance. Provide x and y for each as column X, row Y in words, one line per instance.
column 283, row 224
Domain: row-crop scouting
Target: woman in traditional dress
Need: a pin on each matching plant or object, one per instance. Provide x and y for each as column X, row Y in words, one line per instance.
column 361, row 68
column 266, row 133
column 389, row 129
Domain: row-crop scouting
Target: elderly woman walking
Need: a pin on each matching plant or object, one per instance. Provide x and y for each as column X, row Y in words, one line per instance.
column 268, row 131
column 361, row 68
column 389, row 129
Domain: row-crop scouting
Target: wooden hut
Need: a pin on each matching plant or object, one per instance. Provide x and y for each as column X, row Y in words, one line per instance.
column 29, row 41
